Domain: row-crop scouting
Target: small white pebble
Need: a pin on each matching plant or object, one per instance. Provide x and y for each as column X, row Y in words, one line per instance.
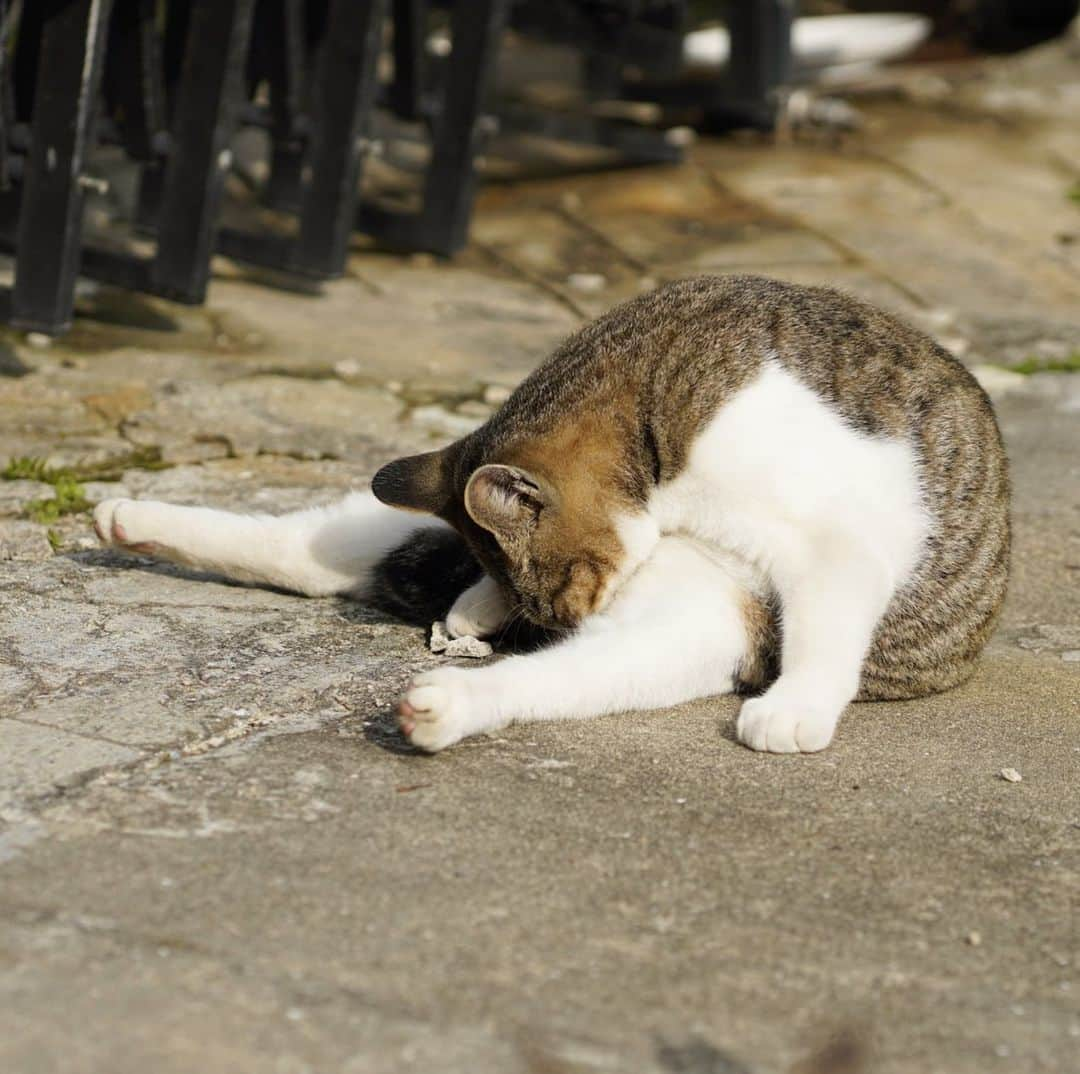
column 1010, row 775
column 496, row 394
column 587, row 282
column 1071, row 656
column 1002, row 1051
column 955, row 345
column 348, row 367
column 38, row 339
column 680, row 801
column 439, row 639
column 441, row 642
column 974, row 939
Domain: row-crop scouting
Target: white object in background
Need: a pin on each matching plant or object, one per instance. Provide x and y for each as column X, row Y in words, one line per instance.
column 824, row 46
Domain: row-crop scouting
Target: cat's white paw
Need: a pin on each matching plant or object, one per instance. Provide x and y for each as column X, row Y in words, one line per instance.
column 440, row 708
column 776, row 722
column 478, row 612
column 126, row 524
column 103, row 521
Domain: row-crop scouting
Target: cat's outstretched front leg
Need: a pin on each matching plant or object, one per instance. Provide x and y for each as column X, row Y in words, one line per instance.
column 675, row 631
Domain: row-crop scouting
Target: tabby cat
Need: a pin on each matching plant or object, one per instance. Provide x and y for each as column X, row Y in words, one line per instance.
column 728, row 484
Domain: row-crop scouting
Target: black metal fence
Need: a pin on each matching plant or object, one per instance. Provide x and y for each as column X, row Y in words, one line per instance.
column 172, row 81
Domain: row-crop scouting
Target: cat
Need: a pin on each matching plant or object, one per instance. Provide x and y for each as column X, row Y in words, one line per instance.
column 727, row 484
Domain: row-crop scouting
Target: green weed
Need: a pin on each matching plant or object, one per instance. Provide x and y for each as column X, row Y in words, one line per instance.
column 1035, row 364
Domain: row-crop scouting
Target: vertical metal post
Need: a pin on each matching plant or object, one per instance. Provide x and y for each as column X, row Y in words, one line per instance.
column 207, row 106
column 50, row 216
column 760, row 55
column 279, row 56
column 342, row 104
column 135, row 76
column 450, row 185
column 410, row 18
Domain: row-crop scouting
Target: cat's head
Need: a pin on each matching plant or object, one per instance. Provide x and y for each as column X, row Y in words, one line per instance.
column 559, row 543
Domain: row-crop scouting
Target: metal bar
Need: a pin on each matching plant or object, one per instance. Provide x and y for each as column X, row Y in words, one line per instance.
column 135, row 77
column 285, row 46
column 343, row 99
column 27, row 55
column 406, row 90
column 342, row 105
column 50, row 216
column 450, row 185
column 760, row 60
column 207, row 104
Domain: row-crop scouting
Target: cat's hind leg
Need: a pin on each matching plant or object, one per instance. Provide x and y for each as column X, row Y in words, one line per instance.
column 322, row 551
column 677, row 630
column 831, row 604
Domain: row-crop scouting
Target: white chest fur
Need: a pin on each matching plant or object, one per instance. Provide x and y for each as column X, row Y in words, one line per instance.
column 777, row 474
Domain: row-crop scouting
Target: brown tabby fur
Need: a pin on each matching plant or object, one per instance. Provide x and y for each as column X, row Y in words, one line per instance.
column 614, row 412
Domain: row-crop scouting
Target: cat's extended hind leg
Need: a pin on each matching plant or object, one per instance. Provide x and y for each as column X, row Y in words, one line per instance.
column 410, row 564
column 317, row 552
column 676, row 630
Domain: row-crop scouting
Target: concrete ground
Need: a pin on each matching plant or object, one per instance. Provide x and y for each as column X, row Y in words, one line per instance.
column 217, row 855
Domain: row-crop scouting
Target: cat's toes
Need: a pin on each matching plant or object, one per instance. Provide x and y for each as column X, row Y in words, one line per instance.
column 105, row 522
column 779, row 725
column 117, row 524
column 438, row 709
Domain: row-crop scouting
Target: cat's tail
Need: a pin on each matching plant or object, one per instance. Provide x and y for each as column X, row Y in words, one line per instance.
column 411, row 565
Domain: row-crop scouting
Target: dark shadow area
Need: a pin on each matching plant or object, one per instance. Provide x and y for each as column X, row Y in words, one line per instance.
column 124, row 309
column 276, row 281
column 697, row 1056
column 116, row 560
column 846, row 1051
column 383, row 731
column 10, row 363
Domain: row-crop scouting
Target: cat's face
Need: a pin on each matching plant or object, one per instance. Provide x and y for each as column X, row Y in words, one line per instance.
column 556, row 549
column 560, row 560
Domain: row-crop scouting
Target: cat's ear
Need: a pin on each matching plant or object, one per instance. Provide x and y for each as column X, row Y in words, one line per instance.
column 504, row 500
column 416, row 483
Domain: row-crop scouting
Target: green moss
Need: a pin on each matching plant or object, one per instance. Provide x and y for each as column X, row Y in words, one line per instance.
column 70, row 499
column 1035, row 364
column 110, row 470
column 55, row 540
column 27, row 469
column 1073, row 193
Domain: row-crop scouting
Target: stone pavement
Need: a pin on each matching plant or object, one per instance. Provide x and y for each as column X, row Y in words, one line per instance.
column 216, row 855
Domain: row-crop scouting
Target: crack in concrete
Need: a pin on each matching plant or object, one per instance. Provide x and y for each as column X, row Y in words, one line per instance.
column 534, row 279
column 848, row 254
column 71, row 731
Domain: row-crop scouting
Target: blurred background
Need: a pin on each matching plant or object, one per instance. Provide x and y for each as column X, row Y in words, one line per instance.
column 139, row 137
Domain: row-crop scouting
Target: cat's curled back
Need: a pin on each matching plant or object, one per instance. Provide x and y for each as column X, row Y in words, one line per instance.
column 712, row 481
